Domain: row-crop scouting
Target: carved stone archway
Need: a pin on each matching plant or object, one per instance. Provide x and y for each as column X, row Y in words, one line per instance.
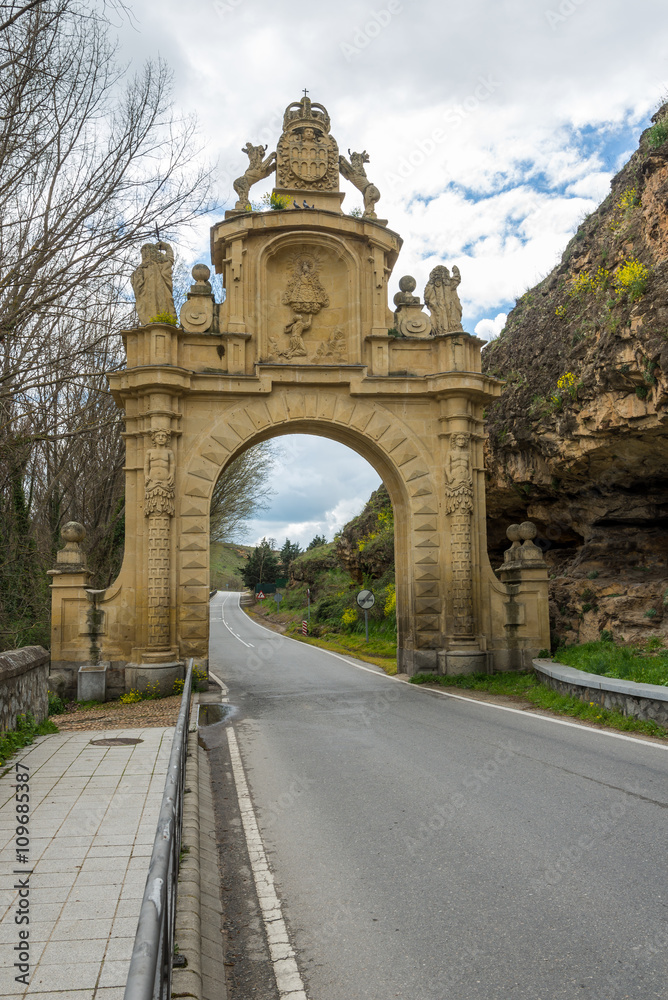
column 305, row 342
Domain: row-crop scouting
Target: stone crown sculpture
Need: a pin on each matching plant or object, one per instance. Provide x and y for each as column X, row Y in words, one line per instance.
column 307, row 161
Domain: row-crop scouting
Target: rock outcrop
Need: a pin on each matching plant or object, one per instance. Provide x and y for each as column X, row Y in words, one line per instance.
column 578, row 442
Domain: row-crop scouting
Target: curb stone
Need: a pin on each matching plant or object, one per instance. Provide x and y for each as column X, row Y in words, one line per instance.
column 199, row 912
column 187, row 981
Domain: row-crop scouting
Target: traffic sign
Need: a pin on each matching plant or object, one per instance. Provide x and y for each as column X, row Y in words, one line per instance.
column 278, row 597
column 259, row 596
column 365, row 599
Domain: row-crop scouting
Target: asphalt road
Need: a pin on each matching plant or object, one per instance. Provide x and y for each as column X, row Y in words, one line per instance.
column 426, row 847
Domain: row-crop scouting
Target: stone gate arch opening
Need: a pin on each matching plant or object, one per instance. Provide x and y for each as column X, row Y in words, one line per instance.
column 353, row 441
column 304, row 341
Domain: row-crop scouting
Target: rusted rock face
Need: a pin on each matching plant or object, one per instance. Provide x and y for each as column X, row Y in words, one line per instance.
column 579, row 440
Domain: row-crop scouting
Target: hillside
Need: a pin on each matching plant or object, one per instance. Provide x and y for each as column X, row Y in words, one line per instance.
column 225, row 559
column 577, row 443
column 361, row 556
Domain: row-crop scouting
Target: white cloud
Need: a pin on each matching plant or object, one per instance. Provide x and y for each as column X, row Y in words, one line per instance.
column 488, row 329
column 489, row 141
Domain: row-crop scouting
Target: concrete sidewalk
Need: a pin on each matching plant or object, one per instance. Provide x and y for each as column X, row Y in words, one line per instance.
column 93, row 817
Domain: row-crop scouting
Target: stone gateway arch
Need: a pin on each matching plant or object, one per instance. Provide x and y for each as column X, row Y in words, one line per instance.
column 304, row 342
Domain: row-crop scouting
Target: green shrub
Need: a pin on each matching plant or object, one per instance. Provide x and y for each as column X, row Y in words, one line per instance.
column 25, row 733
column 56, row 704
column 658, row 134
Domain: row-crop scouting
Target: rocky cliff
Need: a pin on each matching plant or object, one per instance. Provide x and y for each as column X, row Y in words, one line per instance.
column 578, row 440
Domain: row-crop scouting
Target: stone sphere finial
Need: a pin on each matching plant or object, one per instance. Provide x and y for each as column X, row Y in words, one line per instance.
column 528, row 530
column 407, row 283
column 201, row 272
column 513, row 532
column 73, row 532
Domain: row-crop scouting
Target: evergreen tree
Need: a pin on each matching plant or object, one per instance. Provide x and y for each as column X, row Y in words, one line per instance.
column 289, row 552
column 261, row 565
column 316, row 542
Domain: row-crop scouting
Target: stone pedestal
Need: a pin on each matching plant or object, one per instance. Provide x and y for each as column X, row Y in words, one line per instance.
column 463, row 661
column 144, row 676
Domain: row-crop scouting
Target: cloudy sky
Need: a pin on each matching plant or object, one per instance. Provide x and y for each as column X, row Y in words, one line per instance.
column 492, row 126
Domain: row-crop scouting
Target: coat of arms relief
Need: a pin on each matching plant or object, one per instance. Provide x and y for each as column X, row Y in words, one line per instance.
column 307, row 156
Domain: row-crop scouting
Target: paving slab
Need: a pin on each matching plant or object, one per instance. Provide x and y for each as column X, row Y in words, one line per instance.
column 92, row 821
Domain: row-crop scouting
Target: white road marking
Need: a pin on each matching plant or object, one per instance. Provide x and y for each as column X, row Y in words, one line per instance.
column 231, row 630
column 473, row 701
column 288, row 979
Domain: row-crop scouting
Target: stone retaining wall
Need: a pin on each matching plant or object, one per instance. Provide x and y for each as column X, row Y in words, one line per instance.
column 639, row 701
column 23, row 685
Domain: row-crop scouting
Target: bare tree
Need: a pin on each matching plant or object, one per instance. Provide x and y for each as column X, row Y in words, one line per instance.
column 90, row 164
column 241, row 491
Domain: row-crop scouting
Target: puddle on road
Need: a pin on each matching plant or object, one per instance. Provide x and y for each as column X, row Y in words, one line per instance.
column 210, row 714
column 211, row 723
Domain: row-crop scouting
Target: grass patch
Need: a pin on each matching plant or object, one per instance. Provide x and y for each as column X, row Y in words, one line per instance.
column 527, row 687
column 622, row 662
column 382, row 653
column 25, row 733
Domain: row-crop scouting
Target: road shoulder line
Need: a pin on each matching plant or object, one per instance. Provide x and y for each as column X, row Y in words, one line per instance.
column 288, row 978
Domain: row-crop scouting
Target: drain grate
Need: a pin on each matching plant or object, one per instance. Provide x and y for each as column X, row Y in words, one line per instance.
column 116, row 741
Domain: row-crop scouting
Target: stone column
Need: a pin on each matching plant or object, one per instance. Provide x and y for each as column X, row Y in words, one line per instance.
column 159, row 659
column 463, row 654
column 459, row 507
column 526, row 612
column 70, row 644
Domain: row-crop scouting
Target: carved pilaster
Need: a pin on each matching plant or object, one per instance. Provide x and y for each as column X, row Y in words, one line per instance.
column 459, row 507
column 159, row 509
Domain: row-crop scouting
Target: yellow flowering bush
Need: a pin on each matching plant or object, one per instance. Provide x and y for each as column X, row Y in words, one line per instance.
column 390, row 600
column 349, row 617
column 586, row 283
column 632, row 277
column 130, row 697
column 560, row 312
column 565, row 383
column 164, row 317
column 628, row 200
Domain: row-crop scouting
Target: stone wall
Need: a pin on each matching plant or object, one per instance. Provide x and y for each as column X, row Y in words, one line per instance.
column 23, row 685
column 639, row 701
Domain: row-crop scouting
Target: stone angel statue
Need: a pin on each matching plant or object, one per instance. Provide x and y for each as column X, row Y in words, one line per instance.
column 354, row 172
column 258, row 169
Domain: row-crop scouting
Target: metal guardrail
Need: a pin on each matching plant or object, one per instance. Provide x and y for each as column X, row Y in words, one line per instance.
column 150, row 975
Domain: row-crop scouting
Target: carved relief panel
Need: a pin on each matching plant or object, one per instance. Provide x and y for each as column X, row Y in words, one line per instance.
column 310, row 316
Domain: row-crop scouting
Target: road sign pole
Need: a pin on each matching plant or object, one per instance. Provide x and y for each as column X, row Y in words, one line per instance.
column 366, row 600
column 308, row 597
